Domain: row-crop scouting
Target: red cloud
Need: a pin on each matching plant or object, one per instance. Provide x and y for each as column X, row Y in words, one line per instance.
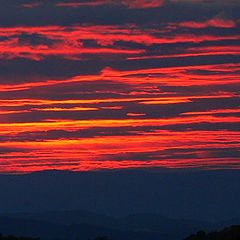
column 214, row 22
column 31, row 5
column 69, row 42
column 143, row 3
column 80, row 4
column 212, row 2
column 128, row 3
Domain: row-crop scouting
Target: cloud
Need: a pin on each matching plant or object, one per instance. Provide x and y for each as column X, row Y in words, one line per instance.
column 211, row 2
column 132, row 4
column 216, row 22
column 83, row 3
column 86, row 42
column 7, row 150
column 118, row 84
column 31, row 5
column 143, row 3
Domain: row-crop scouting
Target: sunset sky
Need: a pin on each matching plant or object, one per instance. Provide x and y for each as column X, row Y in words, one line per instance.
column 113, row 84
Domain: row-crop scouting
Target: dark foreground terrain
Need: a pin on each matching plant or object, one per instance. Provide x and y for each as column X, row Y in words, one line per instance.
column 72, row 225
column 229, row 233
column 11, row 237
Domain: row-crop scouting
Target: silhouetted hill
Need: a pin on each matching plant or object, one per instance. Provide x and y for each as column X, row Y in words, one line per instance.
column 69, row 224
column 132, row 221
column 48, row 230
column 11, row 237
column 86, row 225
column 187, row 194
column 126, row 204
column 68, row 217
column 229, row 233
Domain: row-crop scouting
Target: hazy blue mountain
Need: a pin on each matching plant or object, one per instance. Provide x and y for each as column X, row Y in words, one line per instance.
column 67, row 217
column 130, row 204
column 48, row 230
column 204, row 195
column 86, row 225
column 131, row 223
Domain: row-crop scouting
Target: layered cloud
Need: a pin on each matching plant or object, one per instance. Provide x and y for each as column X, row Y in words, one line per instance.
column 136, row 84
column 83, row 42
column 132, row 4
column 214, row 22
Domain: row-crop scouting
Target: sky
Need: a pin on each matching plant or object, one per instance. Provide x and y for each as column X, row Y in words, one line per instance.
column 118, row 84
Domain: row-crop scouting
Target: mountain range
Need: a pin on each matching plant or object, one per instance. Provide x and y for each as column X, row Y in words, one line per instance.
column 138, row 204
column 81, row 224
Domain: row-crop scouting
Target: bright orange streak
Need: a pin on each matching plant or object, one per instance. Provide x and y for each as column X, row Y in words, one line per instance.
column 143, row 100
column 65, row 109
column 151, row 142
column 71, row 125
column 135, row 114
column 140, row 76
column 164, row 101
column 100, row 151
column 216, row 111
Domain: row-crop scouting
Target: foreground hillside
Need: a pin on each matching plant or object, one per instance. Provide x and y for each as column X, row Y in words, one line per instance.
column 229, row 233
column 11, row 237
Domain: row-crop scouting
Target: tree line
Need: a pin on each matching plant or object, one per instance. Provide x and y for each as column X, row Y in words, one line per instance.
column 229, row 233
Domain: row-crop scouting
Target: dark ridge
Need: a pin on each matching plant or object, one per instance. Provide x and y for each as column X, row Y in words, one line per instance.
column 229, row 233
